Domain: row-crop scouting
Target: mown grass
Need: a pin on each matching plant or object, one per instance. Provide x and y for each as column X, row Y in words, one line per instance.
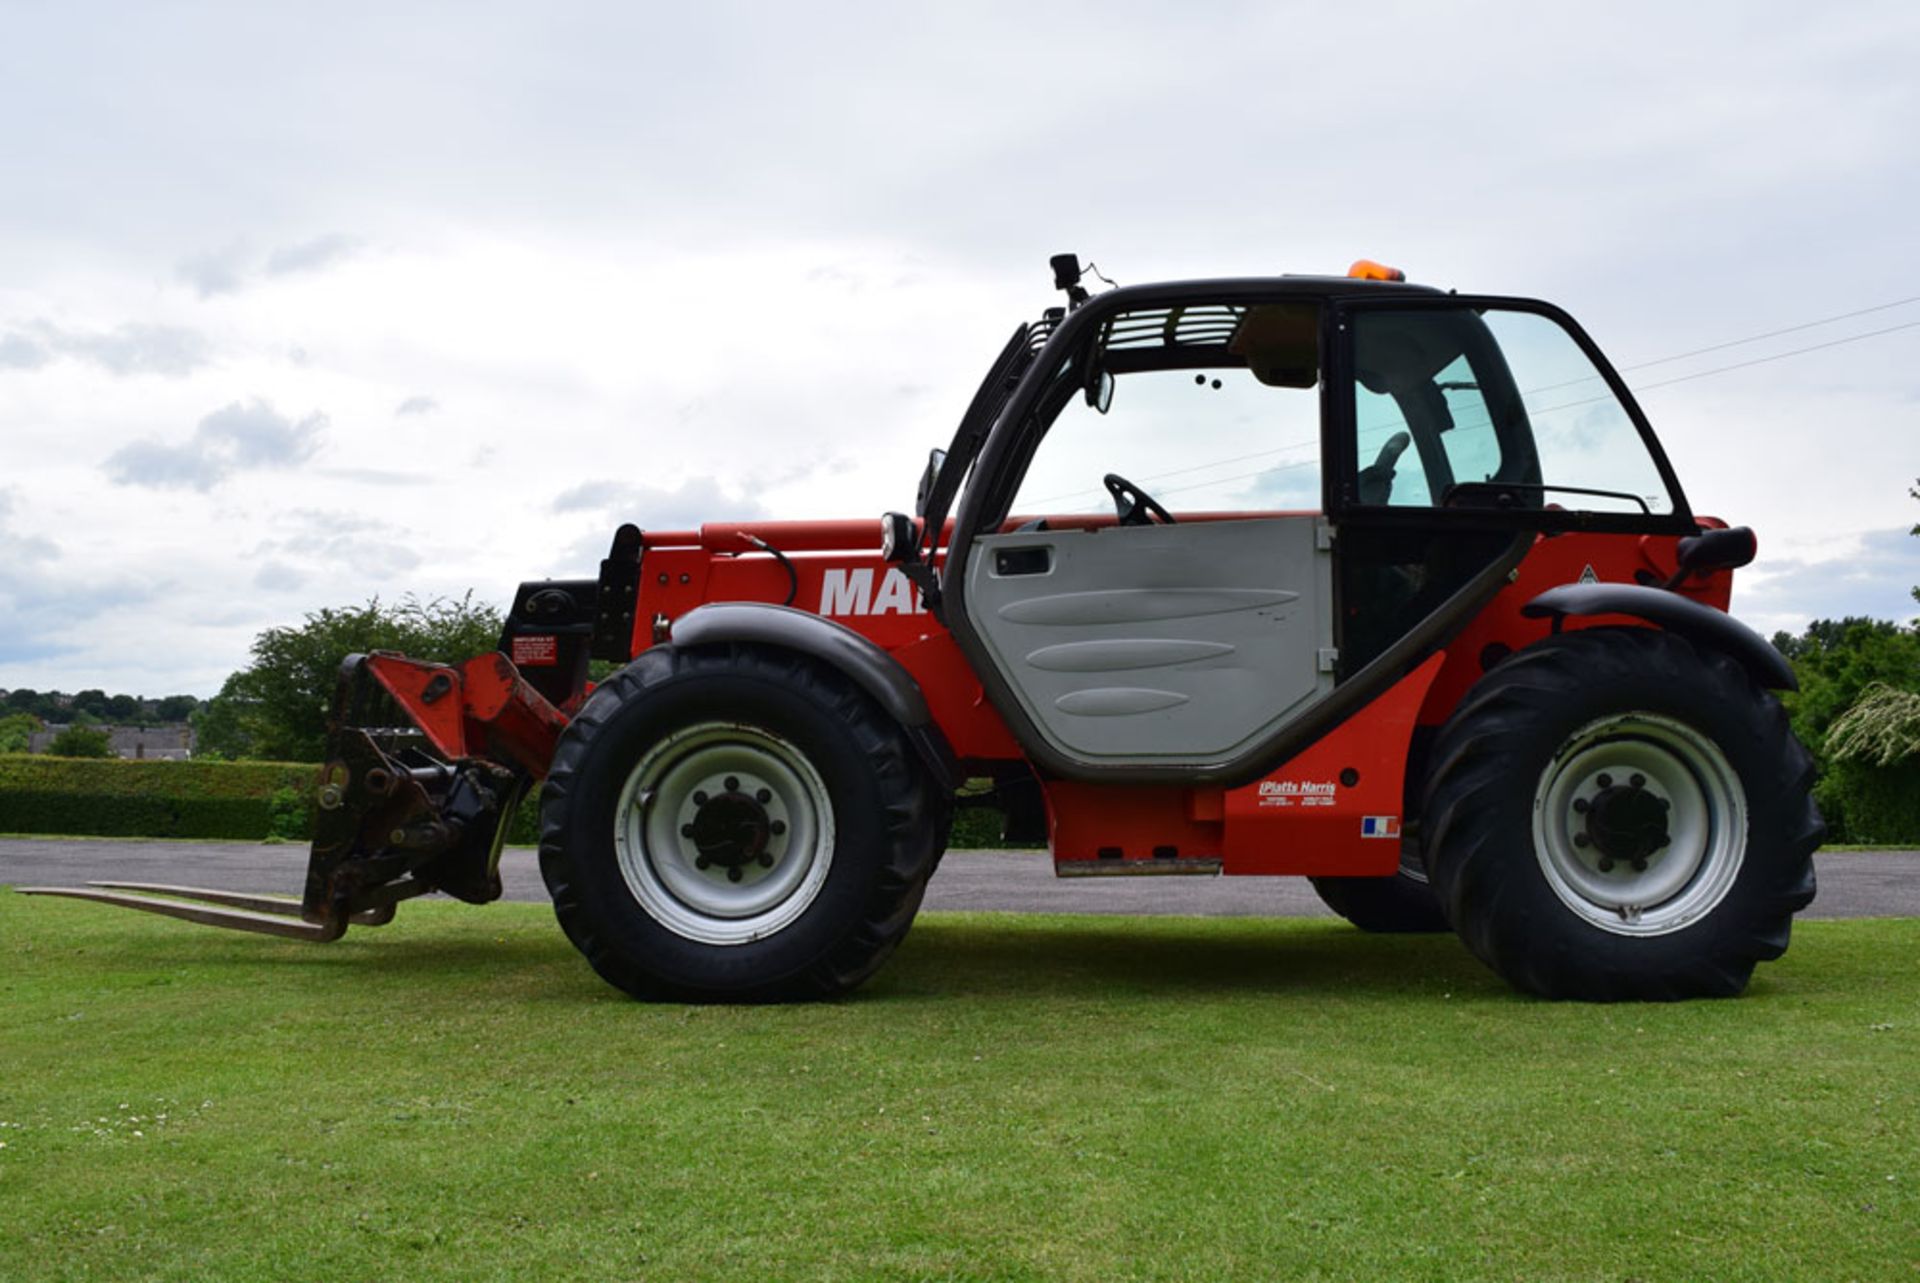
column 457, row 1097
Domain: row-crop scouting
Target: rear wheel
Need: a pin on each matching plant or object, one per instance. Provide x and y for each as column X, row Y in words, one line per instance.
column 736, row 824
column 1616, row 814
column 1401, row 903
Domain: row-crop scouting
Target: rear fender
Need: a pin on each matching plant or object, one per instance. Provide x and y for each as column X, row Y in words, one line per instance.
column 1702, row 625
column 862, row 662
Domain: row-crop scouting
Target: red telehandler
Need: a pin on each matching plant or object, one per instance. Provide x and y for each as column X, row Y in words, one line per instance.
column 1416, row 608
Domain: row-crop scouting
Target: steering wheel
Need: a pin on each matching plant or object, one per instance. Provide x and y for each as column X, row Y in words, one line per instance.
column 1134, row 506
column 1376, row 481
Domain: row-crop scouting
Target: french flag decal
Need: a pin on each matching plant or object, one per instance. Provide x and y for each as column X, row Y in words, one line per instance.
column 1379, row 826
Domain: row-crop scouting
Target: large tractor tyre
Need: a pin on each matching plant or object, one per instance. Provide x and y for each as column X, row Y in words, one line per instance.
column 1614, row 814
column 1401, row 904
column 736, row 824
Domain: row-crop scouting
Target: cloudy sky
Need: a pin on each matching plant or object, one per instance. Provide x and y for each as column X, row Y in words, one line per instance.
column 301, row 304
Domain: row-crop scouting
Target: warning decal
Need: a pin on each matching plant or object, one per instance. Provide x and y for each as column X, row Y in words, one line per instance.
column 540, row 650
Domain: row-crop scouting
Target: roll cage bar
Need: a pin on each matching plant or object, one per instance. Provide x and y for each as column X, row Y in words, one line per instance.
column 1021, row 395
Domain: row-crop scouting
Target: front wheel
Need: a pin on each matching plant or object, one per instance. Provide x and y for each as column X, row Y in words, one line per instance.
column 736, row 823
column 1616, row 814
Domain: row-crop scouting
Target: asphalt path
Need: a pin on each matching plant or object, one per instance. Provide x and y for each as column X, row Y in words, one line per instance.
column 1853, row 884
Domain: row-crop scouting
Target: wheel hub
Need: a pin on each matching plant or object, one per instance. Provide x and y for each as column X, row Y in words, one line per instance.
column 732, row 830
column 1624, row 823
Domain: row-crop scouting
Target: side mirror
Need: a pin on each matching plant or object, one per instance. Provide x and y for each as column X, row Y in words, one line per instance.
column 936, row 460
column 1100, row 391
column 1717, row 550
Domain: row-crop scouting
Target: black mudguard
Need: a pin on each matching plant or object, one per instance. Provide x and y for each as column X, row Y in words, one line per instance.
column 867, row 666
column 1702, row 625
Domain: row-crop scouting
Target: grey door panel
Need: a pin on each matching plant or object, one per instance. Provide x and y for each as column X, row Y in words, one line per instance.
column 1163, row 645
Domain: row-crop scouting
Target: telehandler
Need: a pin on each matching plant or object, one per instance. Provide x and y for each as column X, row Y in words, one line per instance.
column 1335, row 576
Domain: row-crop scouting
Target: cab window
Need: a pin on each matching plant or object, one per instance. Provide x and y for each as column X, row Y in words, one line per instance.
column 1467, row 408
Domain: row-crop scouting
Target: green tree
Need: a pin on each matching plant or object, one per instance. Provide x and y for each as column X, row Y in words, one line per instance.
column 175, row 708
column 1836, row 661
column 220, row 725
column 276, row 708
column 91, row 702
column 16, row 731
column 1874, row 756
column 81, row 741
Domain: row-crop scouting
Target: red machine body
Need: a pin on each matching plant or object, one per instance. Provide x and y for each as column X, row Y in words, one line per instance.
column 1333, row 810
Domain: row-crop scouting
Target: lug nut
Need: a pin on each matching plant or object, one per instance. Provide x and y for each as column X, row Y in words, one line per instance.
column 1637, row 780
column 699, row 799
column 733, row 873
column 686, row 830
column 1581, row 805
column 1606, row 864
column 766, row 860
column 702, row 862
column 733, row 783
column 763, row 796
column 1581, row 839
column 1606, row 781
column 777, row 827
column 1640, row 865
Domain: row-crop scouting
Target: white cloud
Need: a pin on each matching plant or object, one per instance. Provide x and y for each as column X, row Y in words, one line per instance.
column 1871, row 574
column 128, row 349
column 233, row 439
column 235, row 267
column 213, row 272
column 312, row 255
column 365, row 549
column 752, row 260
column 45, row 609
column 687, row 506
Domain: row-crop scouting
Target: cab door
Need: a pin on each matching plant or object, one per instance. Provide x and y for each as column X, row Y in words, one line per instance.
column 1181, row 634
column 1167, row 644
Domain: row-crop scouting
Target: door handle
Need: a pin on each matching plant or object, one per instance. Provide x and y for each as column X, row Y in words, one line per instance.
column 1022, row 561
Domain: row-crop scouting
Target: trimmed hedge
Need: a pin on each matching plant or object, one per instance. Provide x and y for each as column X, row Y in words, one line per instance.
column 112, row 797
column 1877, row 803
column 976, row 826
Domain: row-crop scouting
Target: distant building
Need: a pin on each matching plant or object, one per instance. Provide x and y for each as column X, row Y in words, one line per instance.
column 170, row 743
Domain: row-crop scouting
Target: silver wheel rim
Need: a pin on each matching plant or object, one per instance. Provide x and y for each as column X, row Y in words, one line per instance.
column 1594, row 815
column 724, row 833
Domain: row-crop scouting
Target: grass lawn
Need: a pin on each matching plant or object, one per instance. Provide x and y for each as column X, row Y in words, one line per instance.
column 458, row 1097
